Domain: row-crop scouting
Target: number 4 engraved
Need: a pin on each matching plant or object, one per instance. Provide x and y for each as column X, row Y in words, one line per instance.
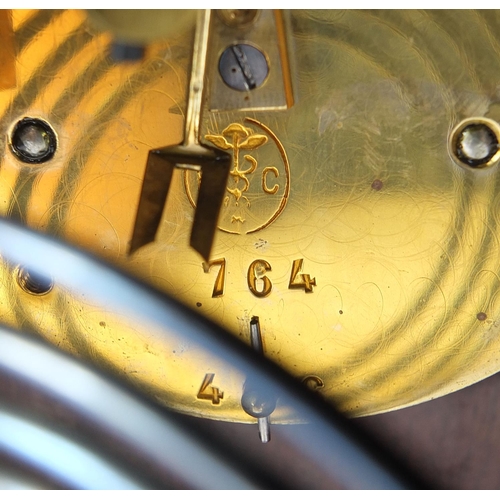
column 301, row 280
column 213, row 394
column 221, row 275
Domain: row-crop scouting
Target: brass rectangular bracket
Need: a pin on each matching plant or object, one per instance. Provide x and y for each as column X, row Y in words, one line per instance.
column 269, row 33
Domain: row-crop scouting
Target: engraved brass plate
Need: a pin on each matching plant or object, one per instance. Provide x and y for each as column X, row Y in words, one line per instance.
column 370, row 257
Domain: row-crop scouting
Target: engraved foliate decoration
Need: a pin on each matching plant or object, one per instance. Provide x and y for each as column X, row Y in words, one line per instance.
column 259, row 181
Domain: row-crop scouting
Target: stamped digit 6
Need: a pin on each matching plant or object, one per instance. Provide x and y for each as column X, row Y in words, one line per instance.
column 257, row 271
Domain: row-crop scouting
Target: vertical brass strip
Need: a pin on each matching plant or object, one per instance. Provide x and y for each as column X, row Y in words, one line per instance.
column 7, row 51
column 285, row 61
column 196, row 82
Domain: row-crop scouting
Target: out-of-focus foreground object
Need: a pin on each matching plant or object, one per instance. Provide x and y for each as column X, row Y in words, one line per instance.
column 142, row 446
column 142, row 26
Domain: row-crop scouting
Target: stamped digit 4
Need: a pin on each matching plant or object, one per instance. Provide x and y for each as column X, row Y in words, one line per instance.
column 213, row 394
column 300, row 280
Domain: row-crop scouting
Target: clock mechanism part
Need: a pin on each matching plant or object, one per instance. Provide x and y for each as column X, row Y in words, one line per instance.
column 214, row 165
column 242, row 67
column 256, row 403
column 340, row 185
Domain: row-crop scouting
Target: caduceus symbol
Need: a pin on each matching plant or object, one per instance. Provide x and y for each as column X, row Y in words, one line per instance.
column 242, row 138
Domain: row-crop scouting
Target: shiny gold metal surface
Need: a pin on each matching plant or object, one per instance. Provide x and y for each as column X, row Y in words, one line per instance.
column 370, row 257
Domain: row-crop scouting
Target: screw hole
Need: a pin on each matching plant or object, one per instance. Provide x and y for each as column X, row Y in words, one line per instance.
column 33, row 141
column 32, row 282
column 475, row 143
column 237, row 17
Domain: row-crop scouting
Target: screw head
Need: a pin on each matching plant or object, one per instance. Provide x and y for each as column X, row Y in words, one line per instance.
column 475, row 143
column 243, row 67
column 33, row 141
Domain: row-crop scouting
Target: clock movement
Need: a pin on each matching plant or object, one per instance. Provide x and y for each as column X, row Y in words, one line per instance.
column 320, row 184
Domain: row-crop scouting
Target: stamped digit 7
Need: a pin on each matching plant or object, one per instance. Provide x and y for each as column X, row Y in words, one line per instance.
column 221, row 275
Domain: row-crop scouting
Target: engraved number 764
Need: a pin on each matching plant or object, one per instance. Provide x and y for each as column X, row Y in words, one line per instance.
column 257, row 273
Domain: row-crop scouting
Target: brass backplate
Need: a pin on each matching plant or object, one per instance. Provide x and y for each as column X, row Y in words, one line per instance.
column 370, row 257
